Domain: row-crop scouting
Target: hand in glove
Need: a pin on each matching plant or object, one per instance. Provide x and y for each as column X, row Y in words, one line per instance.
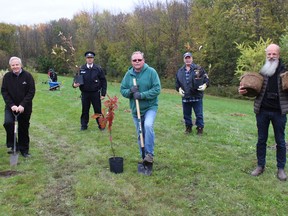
column 137, row 95
column 202, row 87
column 134, row 89
column 181, row 92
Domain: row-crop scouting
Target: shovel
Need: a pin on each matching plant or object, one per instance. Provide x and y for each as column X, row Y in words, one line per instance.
column 14, row 155
column 143, row 168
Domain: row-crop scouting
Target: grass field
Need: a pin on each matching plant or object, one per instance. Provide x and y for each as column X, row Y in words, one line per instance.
column 69, row 174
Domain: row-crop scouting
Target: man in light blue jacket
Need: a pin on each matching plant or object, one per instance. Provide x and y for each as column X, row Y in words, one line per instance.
column 146, row 92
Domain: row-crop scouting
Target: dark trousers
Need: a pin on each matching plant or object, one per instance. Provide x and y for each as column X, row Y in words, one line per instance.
column 87, row 99
column 278, row 122
column 197, row 106
column 23, row 139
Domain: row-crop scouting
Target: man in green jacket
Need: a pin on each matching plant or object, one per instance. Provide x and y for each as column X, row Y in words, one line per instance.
column 146, row 92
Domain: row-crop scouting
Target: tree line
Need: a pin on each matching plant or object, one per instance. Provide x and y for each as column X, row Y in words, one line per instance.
column 163, row 31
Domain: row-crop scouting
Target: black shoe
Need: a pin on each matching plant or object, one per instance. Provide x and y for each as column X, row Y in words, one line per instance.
column 83, row 128
column 25, row 155
column 11, row 151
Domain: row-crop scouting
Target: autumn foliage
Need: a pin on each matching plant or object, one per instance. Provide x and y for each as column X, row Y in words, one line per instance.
column 107, row 116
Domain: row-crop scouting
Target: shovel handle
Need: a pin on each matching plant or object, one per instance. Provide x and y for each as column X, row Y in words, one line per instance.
column 16, row 114
column 139, row 118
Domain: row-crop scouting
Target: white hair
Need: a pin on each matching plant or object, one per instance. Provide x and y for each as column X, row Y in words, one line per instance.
column 269, row 67
column 15, row 58
column 138, row 52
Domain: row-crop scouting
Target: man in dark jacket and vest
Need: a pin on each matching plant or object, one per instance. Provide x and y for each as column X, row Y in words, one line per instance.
column 93, row 86
column 18, row 90
column 271, row 105
column 191, row 81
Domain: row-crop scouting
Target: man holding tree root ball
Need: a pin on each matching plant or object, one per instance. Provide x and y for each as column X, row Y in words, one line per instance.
column 270, row 105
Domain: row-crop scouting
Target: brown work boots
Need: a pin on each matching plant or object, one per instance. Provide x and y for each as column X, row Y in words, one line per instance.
column 281, row 175
column 258, row 171
column 199, row 131
column 188, row 129
column 148, row 158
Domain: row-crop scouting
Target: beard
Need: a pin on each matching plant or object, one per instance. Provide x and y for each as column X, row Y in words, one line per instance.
column 269, row 67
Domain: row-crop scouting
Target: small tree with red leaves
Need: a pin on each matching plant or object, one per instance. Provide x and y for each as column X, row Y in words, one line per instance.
column 107, row 117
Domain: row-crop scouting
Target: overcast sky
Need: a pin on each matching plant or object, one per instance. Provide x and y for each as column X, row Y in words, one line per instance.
column 31, row 12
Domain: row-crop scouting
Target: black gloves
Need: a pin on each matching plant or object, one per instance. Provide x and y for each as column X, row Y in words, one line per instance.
column 134, row 89
column 137, row 95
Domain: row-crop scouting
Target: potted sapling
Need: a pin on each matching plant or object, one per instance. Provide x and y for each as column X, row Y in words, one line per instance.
column 106, row 119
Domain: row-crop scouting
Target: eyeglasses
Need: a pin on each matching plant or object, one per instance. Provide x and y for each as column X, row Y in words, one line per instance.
column 135, row 60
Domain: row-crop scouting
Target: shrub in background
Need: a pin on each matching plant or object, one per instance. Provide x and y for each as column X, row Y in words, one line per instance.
column 2, row 72
column 284, row 48
column 252, row 58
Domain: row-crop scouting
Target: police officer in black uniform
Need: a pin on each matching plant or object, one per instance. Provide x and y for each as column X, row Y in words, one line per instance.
column 93, row 85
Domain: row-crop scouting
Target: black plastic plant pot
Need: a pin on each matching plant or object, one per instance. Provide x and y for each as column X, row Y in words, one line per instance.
column 116, row 164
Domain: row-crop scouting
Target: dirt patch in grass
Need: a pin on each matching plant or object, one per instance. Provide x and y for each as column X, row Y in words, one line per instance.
column 62, row 165
column 237, row 114
column 8, row 173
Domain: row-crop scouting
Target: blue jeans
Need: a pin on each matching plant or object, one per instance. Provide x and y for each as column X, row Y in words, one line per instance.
column 278, row 122
column 147, row 125
column 197, row 106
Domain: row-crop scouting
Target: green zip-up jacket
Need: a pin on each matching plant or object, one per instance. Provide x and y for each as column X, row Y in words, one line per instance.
column 149, row 86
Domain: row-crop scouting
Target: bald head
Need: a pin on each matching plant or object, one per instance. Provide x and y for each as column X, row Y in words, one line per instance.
column 272, row 60
column 272, row 51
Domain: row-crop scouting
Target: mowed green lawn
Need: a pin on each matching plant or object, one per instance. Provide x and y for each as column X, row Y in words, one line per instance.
column 69, row 174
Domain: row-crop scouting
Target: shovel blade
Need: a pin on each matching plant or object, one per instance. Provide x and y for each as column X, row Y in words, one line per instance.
column 145, row 168
column 14, row 159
